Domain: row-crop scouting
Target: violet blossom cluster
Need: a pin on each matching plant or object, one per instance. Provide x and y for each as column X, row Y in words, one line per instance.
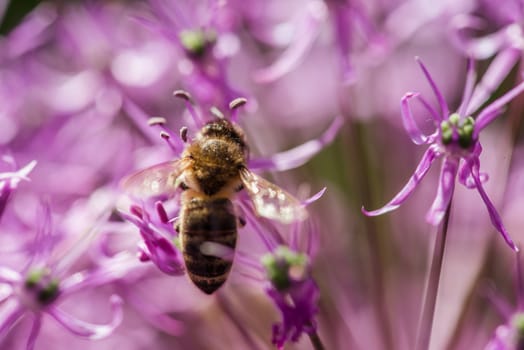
column 93, row 92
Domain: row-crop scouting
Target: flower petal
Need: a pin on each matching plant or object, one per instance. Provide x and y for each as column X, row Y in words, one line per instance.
column 496, row 73
column 308, row 29
column 108, row 270
column 444, row 110
column 10, row 312
column 314, row 197
column 444, row 191
column 483, row 47
column 493, row 109
column 409, row 122
column 88, row 330
column 427, row 159
column 9, row 276
column 493, row 214
column 471, row 76
column 299, row 155
column 35, row 330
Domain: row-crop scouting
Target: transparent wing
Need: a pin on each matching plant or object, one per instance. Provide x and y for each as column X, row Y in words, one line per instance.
column 270, row 200
column 156, row 180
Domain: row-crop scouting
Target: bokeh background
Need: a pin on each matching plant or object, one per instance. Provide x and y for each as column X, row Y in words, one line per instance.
column 79, row 80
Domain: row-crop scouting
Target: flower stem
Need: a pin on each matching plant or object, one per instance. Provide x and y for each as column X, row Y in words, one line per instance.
column 431, row 291
column 376, row 244
column 316, row 341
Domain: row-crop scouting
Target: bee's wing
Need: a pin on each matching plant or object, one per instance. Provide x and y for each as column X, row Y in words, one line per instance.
column 270, row 200
column 156, row 180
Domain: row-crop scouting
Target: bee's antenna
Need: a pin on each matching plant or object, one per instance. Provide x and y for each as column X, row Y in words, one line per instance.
column 235, row 105
column 188, row 99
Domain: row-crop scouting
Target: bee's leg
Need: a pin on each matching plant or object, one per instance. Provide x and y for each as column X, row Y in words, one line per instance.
column 179, row 182
column 176, row 225
column 240, row 215
column 241, row 221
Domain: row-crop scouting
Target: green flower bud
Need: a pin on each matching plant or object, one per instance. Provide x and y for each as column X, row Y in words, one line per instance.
column 283, row 266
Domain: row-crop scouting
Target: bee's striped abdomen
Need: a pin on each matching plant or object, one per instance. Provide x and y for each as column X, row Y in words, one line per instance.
column 213, row 221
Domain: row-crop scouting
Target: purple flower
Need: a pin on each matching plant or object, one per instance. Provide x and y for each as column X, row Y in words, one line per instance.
column 40, row 286
column 9, row 180
column 159, row 237
column 285, row 273
column 294, row 293
column 456, row 140
column 345, row 17
column 510, row 335
column 206, row 42
column 505, row 18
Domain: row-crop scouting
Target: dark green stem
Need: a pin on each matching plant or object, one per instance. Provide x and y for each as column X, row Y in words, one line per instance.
column 431, row 291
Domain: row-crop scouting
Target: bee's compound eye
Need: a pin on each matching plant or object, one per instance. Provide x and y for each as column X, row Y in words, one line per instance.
column 183, row 186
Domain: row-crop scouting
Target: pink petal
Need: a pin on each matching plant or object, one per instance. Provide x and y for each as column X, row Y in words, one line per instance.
column 444, row 191
column 444, row 110
column 409, row 122
column 483, row 47
column 35, row 330
column 471, row 76
column 496, row 73
column 21, row 174
column 10, row 312
column 314, row 197
column 427, row 159
column 493, row 214
column 88, row 330
column 9, row 276
column 489, row 113
column 299, row 155
column 308, row 29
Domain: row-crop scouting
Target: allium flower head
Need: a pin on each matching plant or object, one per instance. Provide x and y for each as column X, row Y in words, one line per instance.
column 456, row 140
column 510, row 335
column 159, row 237
column 293, row 291
column 504, row 31
column 40, row 286
column 346, row 17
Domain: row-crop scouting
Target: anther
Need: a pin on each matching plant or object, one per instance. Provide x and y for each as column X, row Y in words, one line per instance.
column 237, row 102
column 156, row 121
column 164, row 135
column 183, row 133
column 183, row 95
column 216, row 112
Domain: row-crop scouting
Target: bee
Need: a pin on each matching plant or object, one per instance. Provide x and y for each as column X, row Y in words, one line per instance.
column 210, row 172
